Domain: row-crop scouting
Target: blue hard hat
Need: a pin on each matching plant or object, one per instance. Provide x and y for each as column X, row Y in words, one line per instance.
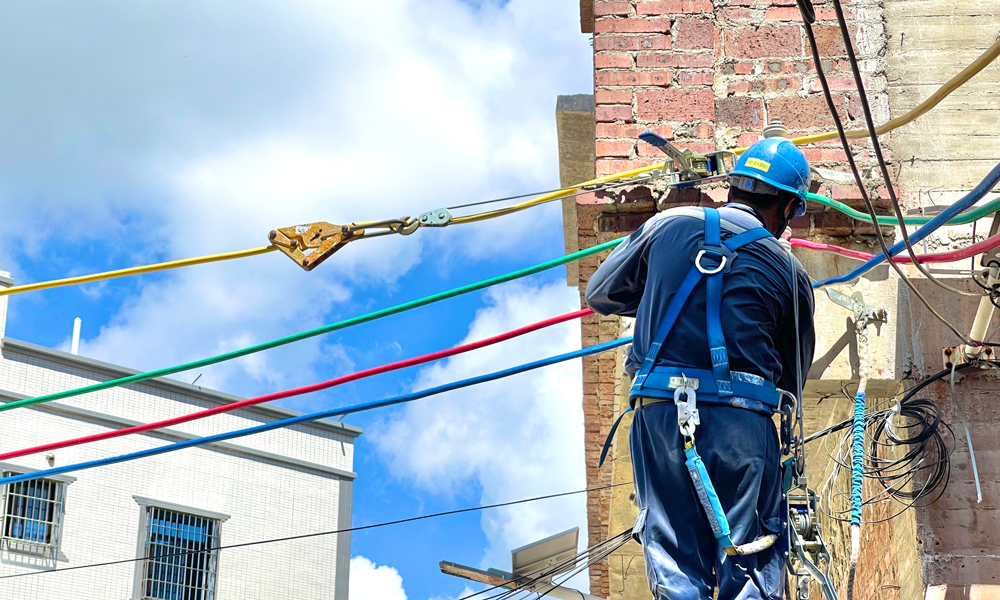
column 777, row 163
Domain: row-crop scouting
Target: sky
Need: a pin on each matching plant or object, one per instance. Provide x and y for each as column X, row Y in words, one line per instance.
column 143, row 132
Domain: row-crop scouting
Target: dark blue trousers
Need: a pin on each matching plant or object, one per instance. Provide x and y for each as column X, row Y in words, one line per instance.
column 741, row 454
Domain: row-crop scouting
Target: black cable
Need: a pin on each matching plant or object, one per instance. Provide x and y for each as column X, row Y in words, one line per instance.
column 318, row 534
column 857, row 176
column 870, row 123
column 907, row 395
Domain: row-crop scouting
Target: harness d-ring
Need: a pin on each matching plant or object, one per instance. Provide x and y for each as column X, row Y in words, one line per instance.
column 697, row 263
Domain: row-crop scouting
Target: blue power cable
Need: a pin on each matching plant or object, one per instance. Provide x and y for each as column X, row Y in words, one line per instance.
column 318, row 415
column 946, row 215
column 857, row 459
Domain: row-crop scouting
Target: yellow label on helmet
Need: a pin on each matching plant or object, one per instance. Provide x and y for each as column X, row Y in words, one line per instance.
column 756, row 163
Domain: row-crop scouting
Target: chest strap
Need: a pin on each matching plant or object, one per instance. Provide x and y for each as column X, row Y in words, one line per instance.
column 713, row 259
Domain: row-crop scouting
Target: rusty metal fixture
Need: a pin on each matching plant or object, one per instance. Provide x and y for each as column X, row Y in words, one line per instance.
column 311, row 244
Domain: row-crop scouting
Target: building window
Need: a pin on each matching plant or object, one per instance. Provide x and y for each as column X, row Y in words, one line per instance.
column 32, row 517
column 181, row 563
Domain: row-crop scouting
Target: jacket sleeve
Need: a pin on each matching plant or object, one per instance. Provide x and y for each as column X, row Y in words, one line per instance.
column 617, row 285
column 805, row 345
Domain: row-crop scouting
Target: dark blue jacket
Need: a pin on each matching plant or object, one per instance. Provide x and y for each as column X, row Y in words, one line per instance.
column 639, row 278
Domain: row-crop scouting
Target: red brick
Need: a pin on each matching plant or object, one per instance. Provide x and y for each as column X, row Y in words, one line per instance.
column 632, row 26
column 750, row 42
column 793, row 14
column 699, row 147
column 604, row 149
column 736, row 14
column 613, row 113
column 845, row 192
column 611, row 42
column 837, row 84
column 602, row 9
column 743, row 68
column 661, row 78
column 829, row 40
column 695, row 78
column 756, row 3
column 748, row 138
column 695, row 34
column 740, row 87
column 670, row 59
column 824, row 154
column 674, row 7
column 832, row 223
column 743, row 112
column 614, row 131
column 796, row 112
column 783, row 84
column 603, row 96
column 612, row 61
column 676, row 105
column 883, row 192
column 607, row 167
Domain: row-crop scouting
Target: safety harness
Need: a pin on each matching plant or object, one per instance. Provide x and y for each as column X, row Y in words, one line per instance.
column 684, row 385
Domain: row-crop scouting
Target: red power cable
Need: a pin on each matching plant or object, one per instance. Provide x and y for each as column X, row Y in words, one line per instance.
column 933, row 257
column 304, row 389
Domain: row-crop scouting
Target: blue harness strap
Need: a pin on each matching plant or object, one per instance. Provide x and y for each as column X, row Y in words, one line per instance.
column 748, row 391
column 723, row 253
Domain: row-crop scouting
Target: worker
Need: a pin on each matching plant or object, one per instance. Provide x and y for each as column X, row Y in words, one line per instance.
column 714, row 296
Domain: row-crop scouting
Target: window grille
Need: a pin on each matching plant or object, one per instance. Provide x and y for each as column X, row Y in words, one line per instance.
column 32, row 518
column 181, row 564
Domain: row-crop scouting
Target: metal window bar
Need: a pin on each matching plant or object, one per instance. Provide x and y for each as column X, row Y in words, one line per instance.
column 173, row 576
column 32, row 515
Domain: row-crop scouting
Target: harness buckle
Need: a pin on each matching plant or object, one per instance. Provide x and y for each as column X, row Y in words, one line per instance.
column 688, row 417
column 718, row 269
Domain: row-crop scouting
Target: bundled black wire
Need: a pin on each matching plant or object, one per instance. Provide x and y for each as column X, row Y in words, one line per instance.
column 912, row 426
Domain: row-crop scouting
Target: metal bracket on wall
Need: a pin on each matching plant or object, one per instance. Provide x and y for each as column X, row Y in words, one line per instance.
column 863, row 313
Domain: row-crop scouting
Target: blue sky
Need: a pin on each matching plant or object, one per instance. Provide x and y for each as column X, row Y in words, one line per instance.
column 145, row 132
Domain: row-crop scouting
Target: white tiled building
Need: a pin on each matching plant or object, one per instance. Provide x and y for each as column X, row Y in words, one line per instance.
column 285, row 482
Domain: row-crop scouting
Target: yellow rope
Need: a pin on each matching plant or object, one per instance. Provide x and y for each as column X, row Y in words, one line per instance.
column 174, row 264
column 551, row 196
column 950, row 86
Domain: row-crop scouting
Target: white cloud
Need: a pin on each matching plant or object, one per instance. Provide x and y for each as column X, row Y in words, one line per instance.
column 187, row 131
column 374, row 582
column 514, row 438
column 466, row 591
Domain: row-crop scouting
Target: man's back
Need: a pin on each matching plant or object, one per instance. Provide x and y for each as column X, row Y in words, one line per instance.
column 641, row 275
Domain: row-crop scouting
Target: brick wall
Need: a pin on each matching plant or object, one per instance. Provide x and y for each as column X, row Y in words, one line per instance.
column 709, row 75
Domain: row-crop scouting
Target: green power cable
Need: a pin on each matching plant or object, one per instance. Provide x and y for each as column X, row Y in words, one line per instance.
column 378, row 314
column 969, row 216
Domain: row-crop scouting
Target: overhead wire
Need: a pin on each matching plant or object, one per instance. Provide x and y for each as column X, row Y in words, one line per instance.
column 378, row 314
column 880, row 159
column 951, row 85
column 163, row 266
column 857, row 178
column 303, row 536
column 968, row 216
column 940, row 94
column 334, row 412
column 307, row 389
column 931, row 257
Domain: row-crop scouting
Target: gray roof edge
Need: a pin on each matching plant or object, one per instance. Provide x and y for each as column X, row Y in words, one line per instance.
column 120, row 422
column 5, row 281
column 116, row 371
column 575, row 103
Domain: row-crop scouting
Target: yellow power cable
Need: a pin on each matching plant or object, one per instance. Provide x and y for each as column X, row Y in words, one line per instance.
column 174, row 264
column 951, row 85
column 942, row 92
column 551, row 196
